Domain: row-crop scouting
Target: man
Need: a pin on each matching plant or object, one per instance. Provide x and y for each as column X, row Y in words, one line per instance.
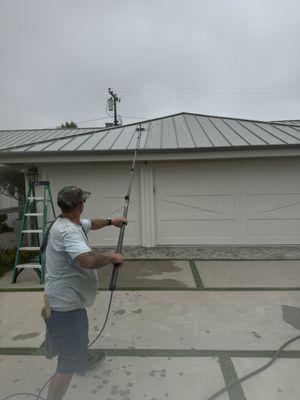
column 71, row 285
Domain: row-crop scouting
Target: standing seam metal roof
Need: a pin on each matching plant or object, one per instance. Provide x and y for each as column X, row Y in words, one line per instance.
column 288, row 122
column 175, row 132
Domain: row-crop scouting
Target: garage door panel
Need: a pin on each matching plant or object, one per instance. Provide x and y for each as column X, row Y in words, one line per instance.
column 197, row 207
column 114, row 207
column 195, row 179
column 195, row 203
column 273, row 201
column 191, row 232
column 273, row 231
column 271, row 176
column 275, row 205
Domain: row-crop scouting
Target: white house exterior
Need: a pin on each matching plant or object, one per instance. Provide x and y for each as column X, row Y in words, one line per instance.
column 199, row 180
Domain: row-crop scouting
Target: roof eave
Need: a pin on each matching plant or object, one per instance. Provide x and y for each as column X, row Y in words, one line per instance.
column 288, row 150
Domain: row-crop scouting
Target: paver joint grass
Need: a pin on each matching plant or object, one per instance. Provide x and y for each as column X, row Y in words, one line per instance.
column 230, row 376
column 196, row 275
column 165, row 352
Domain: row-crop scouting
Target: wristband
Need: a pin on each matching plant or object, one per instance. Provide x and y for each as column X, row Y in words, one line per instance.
column 108, row 220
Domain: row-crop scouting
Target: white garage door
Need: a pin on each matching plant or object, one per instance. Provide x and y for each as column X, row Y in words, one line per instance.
column 108, row 184
column 228, row 202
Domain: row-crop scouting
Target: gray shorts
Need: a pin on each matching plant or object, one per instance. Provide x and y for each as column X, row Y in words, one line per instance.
column 69, row 333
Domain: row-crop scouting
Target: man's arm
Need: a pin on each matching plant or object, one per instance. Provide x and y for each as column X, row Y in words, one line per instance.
column 97, row 223
column 96, row 260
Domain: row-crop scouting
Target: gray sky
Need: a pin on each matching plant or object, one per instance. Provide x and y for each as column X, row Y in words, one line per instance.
column 237, row 58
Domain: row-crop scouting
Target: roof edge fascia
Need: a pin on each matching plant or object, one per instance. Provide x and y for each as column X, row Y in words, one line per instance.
column 150, row 155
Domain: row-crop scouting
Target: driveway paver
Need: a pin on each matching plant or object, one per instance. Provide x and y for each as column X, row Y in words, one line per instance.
column 249, row 274
column 177, row 329
column 121, row 378
column 218, row 320
column 279, row 382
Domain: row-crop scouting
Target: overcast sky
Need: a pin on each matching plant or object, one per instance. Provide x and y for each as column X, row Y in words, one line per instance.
column 237, row 58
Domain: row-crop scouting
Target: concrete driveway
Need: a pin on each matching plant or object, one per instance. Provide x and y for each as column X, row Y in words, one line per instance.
column 178, row 329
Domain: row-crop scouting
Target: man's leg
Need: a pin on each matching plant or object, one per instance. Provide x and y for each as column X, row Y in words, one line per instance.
column 69, row 330
column 58, row 386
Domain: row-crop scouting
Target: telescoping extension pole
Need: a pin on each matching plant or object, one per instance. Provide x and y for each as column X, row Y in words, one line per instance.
column 114, row 277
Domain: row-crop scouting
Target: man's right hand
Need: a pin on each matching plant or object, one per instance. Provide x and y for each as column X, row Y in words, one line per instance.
column 117, row 258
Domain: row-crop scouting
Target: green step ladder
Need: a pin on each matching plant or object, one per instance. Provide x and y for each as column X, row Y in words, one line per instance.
column 34, row 225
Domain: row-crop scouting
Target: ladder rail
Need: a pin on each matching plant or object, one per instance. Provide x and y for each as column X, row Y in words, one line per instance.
column 36, row 228
column 45, row 213
column 20, row 238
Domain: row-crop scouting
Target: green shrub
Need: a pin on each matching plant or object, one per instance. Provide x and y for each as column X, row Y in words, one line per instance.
column 3, row 225
column 3, row 218
column 8, row 256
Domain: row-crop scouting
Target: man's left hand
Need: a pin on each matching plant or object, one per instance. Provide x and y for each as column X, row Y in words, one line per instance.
column 119, row 221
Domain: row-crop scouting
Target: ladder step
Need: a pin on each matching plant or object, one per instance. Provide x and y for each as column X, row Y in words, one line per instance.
column 29, row 248
column 35, row 198
column 29, row 266
column 33, row 231
column 42, row 183
column 34, row 214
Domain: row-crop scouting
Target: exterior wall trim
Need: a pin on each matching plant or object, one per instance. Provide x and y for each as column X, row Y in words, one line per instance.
column 147, row 205
column 71, row 157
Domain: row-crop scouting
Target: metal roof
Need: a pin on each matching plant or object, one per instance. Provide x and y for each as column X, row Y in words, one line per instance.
column 175, row 132
column 289, row 122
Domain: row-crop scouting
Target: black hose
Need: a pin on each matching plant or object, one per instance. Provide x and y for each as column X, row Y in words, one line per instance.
column 255, row 372
column 23, row 394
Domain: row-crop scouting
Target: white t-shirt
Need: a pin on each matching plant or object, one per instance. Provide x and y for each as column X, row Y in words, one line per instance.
column 68, row 285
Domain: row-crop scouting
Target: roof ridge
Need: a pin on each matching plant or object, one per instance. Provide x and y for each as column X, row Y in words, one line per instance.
column 27, row 144
column 96, row 128
column 82, row 133
column 280, row 122
column 237, row 118
column 45, row 129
